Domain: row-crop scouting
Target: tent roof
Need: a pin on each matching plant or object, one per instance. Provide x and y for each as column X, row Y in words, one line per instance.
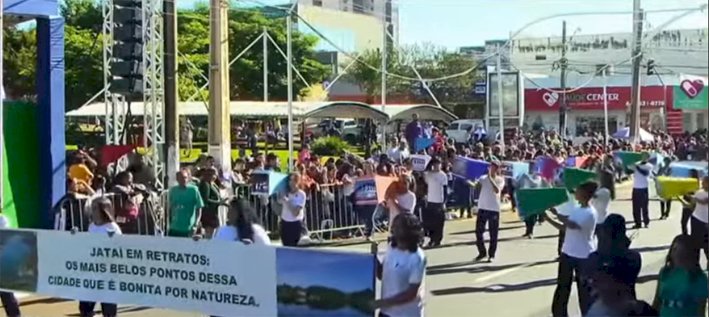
column 347, row 109
column 199, row 108
column 425, row 112
column 320, row 109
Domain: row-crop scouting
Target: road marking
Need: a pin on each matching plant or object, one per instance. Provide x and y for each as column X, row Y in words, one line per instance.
column 501, row 273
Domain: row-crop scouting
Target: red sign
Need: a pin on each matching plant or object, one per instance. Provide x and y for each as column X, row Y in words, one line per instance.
column 591, row 98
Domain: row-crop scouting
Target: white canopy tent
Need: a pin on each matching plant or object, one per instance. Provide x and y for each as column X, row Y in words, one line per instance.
column 198, row 108
column 643, row 135
column 319, row 109
column 424, row 111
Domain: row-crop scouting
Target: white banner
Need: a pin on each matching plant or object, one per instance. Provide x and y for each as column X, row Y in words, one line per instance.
column 420, row 162
column 220, row 278
column 213, row 277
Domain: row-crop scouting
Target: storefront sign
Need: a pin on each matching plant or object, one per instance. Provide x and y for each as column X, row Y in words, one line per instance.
column 591, row 98
column 221, row 278
column 691, row 94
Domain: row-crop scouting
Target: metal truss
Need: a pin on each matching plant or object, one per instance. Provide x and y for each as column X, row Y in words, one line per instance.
column 153, row 93
column 113, row 119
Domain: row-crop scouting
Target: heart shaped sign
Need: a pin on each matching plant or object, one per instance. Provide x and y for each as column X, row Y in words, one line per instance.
column 550, row 98
column 692, row 88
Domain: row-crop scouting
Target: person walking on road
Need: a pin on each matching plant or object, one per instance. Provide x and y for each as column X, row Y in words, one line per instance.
column 434, row 215
column 489, row 211
column 700, row 217
column 641, row 182
column 102, row 223
column 579, row 243
column 293, row 214
column 403, row 270
column 687, row 205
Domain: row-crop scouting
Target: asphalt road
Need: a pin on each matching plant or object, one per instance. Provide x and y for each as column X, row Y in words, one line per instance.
column 520, row 282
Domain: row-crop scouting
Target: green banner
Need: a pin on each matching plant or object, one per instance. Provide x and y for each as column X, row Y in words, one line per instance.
column 691, row 94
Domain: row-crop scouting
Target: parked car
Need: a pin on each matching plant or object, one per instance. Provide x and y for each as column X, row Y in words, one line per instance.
column 458, row 130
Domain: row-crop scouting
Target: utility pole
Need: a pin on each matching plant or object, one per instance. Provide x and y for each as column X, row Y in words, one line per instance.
column 289, row 73
column 265, row 64
column 605, row 106
column 219, row 115
column 638, row 17
column 172, row 144
column 384, row 80
column 563, row 63
column 500, row 108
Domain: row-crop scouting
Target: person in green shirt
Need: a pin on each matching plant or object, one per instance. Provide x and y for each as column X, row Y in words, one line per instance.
column 186, row 205
column 682, row 286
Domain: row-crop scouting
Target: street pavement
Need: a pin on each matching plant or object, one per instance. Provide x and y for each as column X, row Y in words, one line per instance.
column 520, row 282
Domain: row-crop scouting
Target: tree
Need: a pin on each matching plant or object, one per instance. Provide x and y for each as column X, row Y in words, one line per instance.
column 246, row 74
column 84, row 59
column 366, row 73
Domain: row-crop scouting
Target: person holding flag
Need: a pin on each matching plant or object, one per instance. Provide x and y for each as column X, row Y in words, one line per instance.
column 579, row 243
column 491, row 186
column 434, row 214
column 641, row 181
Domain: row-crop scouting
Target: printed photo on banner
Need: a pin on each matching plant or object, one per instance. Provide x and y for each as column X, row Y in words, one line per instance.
column 18, row 260
column 365, row 191
column 420, row 162
column 259, row 184
column 324, row 283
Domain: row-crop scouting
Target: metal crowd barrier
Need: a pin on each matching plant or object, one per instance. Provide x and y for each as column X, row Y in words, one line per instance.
column 75, row 212
column 328, row 212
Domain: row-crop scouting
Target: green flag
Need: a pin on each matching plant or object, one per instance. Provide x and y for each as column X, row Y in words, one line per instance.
column 573, row 177
column 534, row 201
column 629, row 159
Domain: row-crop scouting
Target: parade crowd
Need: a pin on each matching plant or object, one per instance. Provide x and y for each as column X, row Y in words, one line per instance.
column 594, row 250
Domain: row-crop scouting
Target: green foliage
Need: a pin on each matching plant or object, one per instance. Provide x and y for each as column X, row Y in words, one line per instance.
column 20, row 56
column 329, row 146
column 84, row 60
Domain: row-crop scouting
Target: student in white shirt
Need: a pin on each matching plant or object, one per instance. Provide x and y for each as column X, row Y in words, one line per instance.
column 404, row 201
column 403, row 270
column 7, row 299
column 700, row 217
column 579, row 243
column 600, row 203
column 491, row 186
column 242, row 225
column 399, row 152
column 641, row 181
column 293, row 212
column 434, row 215
column 101, row 222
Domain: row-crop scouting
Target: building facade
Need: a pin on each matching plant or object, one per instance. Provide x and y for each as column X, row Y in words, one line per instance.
column 673, row 52
column 383, row 10
column 665, row 104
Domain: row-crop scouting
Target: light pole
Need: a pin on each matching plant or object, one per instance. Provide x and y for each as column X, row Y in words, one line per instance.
column 289, row 74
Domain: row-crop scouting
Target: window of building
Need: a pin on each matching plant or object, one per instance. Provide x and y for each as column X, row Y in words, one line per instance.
column 317, row 3
column 359, row 6
column 595, row 124
column 387, row 10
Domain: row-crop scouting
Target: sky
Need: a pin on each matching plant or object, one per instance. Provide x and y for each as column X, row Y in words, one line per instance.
column 456, row 23
column 338, row 270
